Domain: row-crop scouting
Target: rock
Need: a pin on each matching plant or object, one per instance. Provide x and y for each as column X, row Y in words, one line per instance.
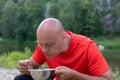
column 101, row 47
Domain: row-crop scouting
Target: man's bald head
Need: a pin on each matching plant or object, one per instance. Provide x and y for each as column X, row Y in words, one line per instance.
column 49, row 29
column 50, row 24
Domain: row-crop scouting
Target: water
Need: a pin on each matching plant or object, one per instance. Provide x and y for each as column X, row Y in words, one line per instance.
column 108, row 4
column 5, row 48
column 105, row 4
column 47, row 10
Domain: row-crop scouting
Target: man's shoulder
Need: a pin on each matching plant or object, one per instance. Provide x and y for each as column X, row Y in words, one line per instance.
column 77, row 36
column 81, row 38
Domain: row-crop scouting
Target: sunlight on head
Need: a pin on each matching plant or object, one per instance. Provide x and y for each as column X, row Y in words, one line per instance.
column 50, row 24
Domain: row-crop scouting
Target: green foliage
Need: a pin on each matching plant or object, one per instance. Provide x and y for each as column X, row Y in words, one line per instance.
column 111, row 51
column 20, row 18
column 79, row 16
column 8, row 45
column 116, row 75
column 112, row 56
column 29, row 14
column 117, row 33
column 7, row 19
column 54, row 9
column 113, row 43
column 117, row 10
column 10, row 60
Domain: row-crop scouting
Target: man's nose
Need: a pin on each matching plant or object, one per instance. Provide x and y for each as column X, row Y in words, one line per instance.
column 44, row 49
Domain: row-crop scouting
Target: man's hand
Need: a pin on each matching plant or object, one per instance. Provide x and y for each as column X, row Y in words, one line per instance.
column 24, row 65
column 64, row 73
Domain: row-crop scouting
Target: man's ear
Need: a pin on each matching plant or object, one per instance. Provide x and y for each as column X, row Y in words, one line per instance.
column 64, row 35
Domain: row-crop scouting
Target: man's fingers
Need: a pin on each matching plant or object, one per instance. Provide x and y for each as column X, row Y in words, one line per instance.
column 24, row 65
column 22, row 68
column 61, row 77
column 23, row 62
column 58, row 70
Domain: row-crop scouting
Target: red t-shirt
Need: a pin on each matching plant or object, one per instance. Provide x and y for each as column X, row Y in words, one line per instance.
column 82, row 56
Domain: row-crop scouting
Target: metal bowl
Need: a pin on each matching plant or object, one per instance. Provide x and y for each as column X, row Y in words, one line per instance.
column 42, row 74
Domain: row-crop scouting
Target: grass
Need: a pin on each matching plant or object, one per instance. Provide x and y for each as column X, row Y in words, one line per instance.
column 10, row 60
column 116, row 75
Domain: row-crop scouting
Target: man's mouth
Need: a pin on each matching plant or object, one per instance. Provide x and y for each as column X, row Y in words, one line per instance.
column 47, row 54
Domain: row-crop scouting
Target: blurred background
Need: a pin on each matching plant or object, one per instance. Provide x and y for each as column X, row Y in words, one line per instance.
column 97, row 19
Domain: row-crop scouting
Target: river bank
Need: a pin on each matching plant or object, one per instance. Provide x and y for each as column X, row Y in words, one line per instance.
column 8, row 74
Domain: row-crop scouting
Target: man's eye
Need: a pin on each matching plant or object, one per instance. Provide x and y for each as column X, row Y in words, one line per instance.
column 41, row 45
column 49, row 45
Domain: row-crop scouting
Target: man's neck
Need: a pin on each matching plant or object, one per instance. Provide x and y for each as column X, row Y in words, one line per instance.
column 66, row 43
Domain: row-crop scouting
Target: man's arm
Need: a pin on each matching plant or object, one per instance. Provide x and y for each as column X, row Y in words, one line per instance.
column 106, row 76
column 34, row 64
column 66, row 73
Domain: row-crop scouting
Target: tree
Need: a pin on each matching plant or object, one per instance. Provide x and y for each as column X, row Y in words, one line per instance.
column 117, row 10
column 2, row 3
column 80, row 16
column 20, row 18
column 7, row 20
column 29, row 15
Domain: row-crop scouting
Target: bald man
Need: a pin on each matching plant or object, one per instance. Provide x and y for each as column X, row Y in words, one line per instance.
column 73, row 56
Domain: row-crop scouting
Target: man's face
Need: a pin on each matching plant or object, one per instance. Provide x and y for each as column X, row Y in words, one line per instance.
column 50, row 44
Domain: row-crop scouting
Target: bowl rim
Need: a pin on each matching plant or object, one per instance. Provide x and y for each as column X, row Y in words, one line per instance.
column 46, row 69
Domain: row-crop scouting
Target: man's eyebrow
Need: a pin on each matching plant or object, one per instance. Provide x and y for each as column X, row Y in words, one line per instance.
column 45, row 43
column 49, row 43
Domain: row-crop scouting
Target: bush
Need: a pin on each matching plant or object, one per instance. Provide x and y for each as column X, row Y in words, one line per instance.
column 10, row 60
column 116, row 75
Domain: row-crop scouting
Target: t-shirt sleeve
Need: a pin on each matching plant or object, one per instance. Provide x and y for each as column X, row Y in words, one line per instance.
column 96, row 62
column 38, row 55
